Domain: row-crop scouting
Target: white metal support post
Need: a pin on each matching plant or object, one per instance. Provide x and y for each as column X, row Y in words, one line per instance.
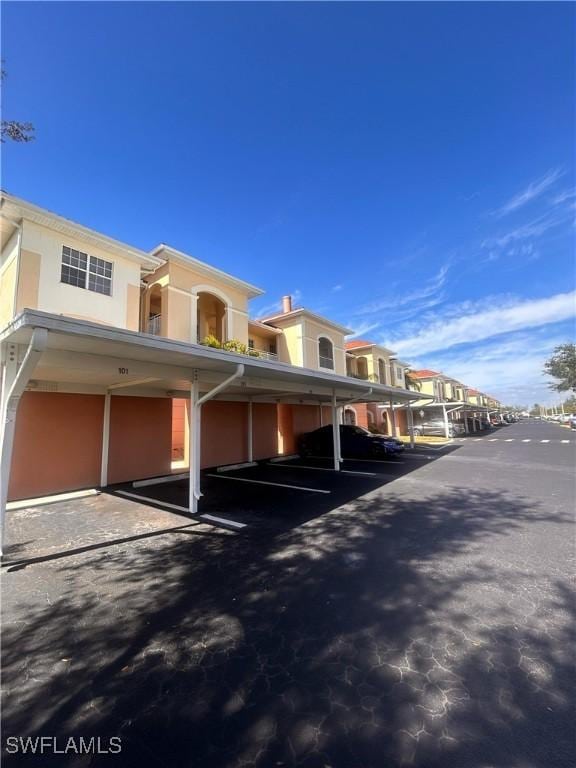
column 393, row 419
column 250, row 431
column 410, row 417
column 14, row 382
column 195, row 431
column 336, row 434
column 193, row 446
column 446, row 424
column 105, row 441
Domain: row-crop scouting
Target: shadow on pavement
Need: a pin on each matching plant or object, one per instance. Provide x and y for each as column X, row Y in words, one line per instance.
column 354, row 641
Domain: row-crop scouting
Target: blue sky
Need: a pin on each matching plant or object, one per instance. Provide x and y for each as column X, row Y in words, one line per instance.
column 406, row 169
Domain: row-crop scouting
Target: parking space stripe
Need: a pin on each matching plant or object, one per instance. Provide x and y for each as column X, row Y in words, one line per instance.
column 267, row 482
column 160, row 480
column 154, row 501
column 223, row 520
column 509, row 440
column 527, row 440
column 564, row 441
column 493, row 440
column 375, row 461
column 323, row 469
column 544, row 441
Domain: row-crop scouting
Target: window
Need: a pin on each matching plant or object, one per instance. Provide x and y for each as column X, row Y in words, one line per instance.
column 100, row 276
column 74, row 264
column 326, row 353
column 85, row 271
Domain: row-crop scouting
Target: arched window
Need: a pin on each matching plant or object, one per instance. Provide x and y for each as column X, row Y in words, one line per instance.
column 325, row 353
column 350, row 416
column 381, row 371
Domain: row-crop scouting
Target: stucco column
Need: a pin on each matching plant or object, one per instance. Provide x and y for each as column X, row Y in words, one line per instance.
column 194, row 318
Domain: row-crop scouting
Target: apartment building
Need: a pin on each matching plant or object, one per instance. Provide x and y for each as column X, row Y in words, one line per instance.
column 117, row 360
column 373, row 362
column 448, row 400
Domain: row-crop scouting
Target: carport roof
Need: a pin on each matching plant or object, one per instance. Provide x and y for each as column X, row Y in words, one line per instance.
column 93, row 355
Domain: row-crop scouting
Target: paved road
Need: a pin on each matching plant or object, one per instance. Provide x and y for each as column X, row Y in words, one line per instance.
column 428, row 623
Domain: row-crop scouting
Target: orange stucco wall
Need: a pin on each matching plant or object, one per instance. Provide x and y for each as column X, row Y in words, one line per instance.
column 58, row 444
column 286, row 440
column 305, row 418
column 264, row 430
column 140, row 438
column 224, row 433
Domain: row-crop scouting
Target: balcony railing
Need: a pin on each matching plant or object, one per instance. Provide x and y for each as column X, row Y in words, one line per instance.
column 154, row 324
column 264, row 354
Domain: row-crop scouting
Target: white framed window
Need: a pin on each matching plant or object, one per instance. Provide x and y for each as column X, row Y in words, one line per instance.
column 325, row 353
column 84, row 271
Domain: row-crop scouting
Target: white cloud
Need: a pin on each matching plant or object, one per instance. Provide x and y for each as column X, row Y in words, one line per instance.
column 509, row 369
column 446, row 332
column 562, row 197
column 336, row 288
column 533, row 228
column 532, row 191
column 362, row 329
column 429, row 291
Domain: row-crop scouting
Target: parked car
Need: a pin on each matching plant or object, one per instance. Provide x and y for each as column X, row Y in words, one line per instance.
column 437, row 428
column 355, row 442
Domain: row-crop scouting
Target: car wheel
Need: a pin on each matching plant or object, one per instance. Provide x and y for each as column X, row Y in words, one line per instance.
column 417, row 432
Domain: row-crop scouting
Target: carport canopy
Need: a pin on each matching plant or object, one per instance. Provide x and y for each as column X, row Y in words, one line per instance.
column 40, row 349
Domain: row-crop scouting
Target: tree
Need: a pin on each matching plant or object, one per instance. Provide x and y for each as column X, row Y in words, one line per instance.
column 14, row 130
column 562, row 366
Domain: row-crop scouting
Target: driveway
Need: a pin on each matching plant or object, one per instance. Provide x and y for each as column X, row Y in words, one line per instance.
column 418, row 615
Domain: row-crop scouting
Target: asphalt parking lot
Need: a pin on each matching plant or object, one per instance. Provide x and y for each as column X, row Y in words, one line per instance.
column 279, row 495
column 419, row 614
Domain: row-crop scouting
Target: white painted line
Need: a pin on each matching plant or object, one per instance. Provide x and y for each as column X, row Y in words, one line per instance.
column 153, row 501
column 23, row 503
column 369, row 461
column 266, row 482
column 323, row 469
column 376, row 461
column 289, row 457
column 476, row 439
column 544, row 441
column 493, row 440
column 160, row 480
column 223, row 520
column 527, row 440
column 564, row 441
column 509, row 440
column 242, row 465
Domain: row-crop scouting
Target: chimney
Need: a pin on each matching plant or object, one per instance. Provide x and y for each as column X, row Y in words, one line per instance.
column 286, row 304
